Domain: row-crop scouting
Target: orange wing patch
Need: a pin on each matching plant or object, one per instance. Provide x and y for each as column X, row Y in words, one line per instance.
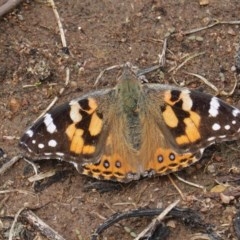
column 166, row 161
column 110, row 167
column 96, row 124
column 76, row 139
column 170, row 118
column 78, row 144
column 88, row 149
column 92, row 104
column 192, row 122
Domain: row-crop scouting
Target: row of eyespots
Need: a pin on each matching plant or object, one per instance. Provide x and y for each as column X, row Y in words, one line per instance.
column 107, row 164
column 171, row 157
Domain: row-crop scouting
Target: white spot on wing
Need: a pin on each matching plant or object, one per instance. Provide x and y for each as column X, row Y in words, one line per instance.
column 47, row 154
column 222, row 136
column 216, row 126
column 40, row 145
column 52, row 143
column 60, row 154
column 234, row 122
column 211, row 139
column 214, row 105
column 227, row 127
column 74, row 112
column 187, row 101
column 235, row 112
column 48, row 121
column 33, row 141
column 29, row 133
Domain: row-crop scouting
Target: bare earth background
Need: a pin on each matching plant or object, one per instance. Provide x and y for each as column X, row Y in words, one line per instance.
column 100, row 34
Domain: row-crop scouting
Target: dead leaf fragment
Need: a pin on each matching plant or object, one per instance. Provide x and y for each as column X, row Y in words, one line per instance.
column 218, row 188
column 226, row 199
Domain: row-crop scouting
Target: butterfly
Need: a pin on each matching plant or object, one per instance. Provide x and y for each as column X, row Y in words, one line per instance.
column 133, row 130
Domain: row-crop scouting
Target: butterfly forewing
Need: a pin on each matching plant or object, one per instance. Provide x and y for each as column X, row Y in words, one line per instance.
column 73, row 130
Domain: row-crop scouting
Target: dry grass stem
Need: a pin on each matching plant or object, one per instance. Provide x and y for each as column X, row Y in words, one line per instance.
column 152, row 226
column 42, row 176
column 41, row 226
column 9, row 164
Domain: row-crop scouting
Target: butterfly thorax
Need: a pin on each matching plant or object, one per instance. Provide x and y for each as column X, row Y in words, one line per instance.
column 129, row 92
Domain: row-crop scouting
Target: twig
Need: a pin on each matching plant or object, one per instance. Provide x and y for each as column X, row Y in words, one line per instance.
column 8, row 6
column 41, row 226
column 8, row 164
column 221, row 92
column 175, row 69
column 60, row 93
column 99, row 215
column 38, row 84
column 41, row 176
column 188, row 32
column 203, row 79
column 152, row 226
column 3, row 201
column 33, row 165
column 190, row 183
column 185, row 215
column 177, row 188
column 162, row 56
column 64, row 44
column 200, row 236
column 11, row 232
column 19, row 191
column 60, row 26
column 10, row 138
column 105, row 70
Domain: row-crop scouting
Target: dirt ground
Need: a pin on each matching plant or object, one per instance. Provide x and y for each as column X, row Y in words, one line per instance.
column 100, row 34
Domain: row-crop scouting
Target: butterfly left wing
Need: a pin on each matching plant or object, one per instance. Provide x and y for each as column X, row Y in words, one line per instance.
column 73, row 131
column 88, row 132
column 187, row 122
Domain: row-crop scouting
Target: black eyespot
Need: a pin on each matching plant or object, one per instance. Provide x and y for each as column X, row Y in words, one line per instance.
column 118, row 164
column 106, row 164
column 160, row 158
column 172, row 156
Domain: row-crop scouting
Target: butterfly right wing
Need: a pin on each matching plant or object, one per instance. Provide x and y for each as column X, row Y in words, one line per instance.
column 185, row 123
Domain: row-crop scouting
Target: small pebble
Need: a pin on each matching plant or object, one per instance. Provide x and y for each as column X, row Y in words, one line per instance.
column 14, row 105
column 231, row 32
column 211, row 168
column 203, row 2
